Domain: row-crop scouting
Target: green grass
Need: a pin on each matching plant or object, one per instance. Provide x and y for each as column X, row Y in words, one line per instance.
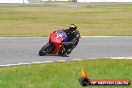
column 100, row 20
column 64, row 75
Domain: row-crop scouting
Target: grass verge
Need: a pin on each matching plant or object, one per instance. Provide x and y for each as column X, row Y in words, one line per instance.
column 64, row 75
column 100, row 20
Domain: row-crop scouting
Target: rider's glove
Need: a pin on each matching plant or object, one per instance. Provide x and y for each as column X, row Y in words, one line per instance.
column 65, row 43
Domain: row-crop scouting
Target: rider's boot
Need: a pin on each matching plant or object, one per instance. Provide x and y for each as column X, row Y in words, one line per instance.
column 63, row 53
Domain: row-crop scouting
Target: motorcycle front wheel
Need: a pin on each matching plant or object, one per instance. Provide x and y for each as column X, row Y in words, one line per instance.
column 45, row 49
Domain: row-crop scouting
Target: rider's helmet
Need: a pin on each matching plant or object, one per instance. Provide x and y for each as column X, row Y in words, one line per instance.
column 73, row 27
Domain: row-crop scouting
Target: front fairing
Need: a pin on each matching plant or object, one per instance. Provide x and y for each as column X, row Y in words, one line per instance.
column 57, row 37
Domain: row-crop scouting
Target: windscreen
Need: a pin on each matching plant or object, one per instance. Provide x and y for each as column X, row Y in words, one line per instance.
column 62, row 34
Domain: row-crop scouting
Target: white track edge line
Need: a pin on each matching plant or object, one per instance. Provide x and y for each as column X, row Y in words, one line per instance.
column 44, row 62
column 120, row 57
column 47, row 37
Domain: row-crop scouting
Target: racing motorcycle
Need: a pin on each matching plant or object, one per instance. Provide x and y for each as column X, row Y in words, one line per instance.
column 54, row 46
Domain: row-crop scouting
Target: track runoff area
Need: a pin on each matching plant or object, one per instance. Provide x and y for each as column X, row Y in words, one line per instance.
column 24, row 50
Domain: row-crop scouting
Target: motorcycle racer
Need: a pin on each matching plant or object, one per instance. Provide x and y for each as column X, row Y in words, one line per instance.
column 61, row 42
column 73, row 36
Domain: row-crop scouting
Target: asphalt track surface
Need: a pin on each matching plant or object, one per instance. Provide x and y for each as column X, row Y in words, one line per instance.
column 25, row 50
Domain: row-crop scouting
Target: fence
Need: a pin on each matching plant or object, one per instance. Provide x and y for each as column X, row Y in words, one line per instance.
column 104, row 0
column 13, row 1
column 61, row 0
